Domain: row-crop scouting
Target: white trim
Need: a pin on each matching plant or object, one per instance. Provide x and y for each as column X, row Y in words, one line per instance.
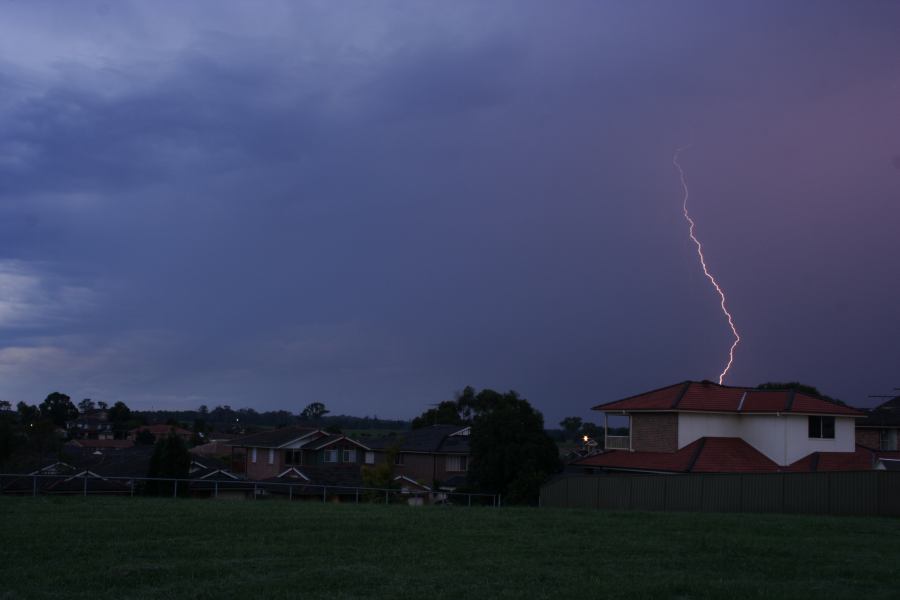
column 465, row 431
column 42, row 469
column 340, row 439
column 295, row 440
column 222, row 471
column 86, row 472
column 271, row 456
column 294, row 469
column 412, row 481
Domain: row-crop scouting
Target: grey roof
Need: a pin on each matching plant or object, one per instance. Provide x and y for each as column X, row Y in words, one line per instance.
column 885, row 415
column 345, row 476
column 433, row 439
column 273, row 438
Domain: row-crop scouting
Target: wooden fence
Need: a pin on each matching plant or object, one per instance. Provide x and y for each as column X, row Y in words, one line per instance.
column 833, row 493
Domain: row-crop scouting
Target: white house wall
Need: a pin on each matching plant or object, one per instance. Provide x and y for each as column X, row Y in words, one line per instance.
column 782, row 438
column 693, row 426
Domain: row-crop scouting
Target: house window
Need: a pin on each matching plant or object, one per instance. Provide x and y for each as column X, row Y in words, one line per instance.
column 253, row 455
column 293, row 457
column 331, row 455
column 398, row 460
column 349, row 455
column 821, row 427
column 457, row 464
column 370, row 458
column 271, row 456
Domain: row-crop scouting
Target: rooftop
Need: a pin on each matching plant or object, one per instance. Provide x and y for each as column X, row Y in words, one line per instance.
column 706, row 396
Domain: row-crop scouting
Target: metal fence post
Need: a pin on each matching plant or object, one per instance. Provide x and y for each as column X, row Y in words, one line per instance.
column 217, row 490
column 357, row 495
column 324, row 489
column 386, row 497
column 34, row 486
column 470, row 500
column 132, row 488
column 254, row 490
column 84, row 490
column 175, row 490
column 290, row 492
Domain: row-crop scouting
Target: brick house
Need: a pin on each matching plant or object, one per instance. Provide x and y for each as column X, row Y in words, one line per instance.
column 704, row 427
column 436, row 455
column 880, row 429
column 270, row 454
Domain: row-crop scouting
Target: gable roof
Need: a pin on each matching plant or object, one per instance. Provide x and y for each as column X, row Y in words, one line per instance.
column 706, row 455
column 706, row 396
column 884, row 415
column 328, row 440
column 434, row 439
column 274, row 438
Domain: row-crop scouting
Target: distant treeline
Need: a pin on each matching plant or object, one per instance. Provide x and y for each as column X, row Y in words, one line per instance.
column 224, row 418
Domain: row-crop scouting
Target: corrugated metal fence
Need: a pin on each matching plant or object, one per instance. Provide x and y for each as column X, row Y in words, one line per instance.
column 836, row 493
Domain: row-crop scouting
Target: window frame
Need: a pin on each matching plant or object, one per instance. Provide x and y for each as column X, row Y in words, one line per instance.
column 821, row 427
column 330, row 452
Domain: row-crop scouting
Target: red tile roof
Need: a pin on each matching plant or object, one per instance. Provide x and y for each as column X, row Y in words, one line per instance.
column 158, row 430
column 103, row 443
column 711, row 397
column 706, row 455
column 862, row 459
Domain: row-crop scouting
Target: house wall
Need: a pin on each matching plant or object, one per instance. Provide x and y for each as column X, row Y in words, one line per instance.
column 654, row 432
column 868, row 437
column 424, row 468
column 693, row 426
column 782, row 438
column 261, row 469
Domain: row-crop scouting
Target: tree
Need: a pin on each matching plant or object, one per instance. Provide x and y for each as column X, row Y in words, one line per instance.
column 314, row 412
column 119, row 413
column 5, row 405
column 101, row 405
column 86, row 406
column 447, row 412
column 592, row 430
column 571, row 425
column 144, row 438
column 511, row 453
column 58, row 408
column 170, row 459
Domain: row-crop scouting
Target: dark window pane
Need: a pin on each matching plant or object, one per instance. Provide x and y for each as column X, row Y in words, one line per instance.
column 815, row 427
column 828, row 427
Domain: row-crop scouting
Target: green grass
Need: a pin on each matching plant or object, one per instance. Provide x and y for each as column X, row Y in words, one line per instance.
column 165, row 548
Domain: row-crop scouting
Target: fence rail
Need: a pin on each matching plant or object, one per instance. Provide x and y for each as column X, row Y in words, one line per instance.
column 32, row 484
column 834, row 493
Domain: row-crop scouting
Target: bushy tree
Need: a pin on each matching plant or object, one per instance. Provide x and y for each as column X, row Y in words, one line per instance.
column 511, row 453
column 447, row 412
column 86, row 406
column 571, row 425
column 314, row 412
column 170, row 459
column 58, row 408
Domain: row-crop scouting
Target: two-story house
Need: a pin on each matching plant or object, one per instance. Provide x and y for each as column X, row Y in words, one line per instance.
column 92, row 426
column 275, row 453
column 704, row 427
column 434, row 455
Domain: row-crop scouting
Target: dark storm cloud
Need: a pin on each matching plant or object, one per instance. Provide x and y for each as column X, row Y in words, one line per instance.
column 373, row 207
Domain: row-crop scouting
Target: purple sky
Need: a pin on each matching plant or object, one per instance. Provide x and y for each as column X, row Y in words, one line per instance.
column 374, row 204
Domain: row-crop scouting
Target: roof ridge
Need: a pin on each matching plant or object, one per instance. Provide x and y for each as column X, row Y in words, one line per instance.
column 790, row 401
column 687, row 385
column 693, row 461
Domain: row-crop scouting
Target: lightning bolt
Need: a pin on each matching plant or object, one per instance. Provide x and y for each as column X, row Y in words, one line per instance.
column 687, row 216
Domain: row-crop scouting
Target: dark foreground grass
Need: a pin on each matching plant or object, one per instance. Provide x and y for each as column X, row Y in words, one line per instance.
column 164, row 548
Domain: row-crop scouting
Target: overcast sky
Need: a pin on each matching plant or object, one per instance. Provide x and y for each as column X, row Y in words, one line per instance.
column 375, row 204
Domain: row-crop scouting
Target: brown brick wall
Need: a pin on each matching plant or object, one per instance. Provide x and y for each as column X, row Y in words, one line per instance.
column 870, row 438
column 654, row 432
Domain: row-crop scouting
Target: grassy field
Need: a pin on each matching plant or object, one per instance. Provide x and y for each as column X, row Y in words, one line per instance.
column 164, row 548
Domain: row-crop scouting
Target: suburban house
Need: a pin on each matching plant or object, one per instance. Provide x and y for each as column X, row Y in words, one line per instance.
column 435, row 455
column 880, row 429
column 280, row 452
column 93, row 426
column 705, row 427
